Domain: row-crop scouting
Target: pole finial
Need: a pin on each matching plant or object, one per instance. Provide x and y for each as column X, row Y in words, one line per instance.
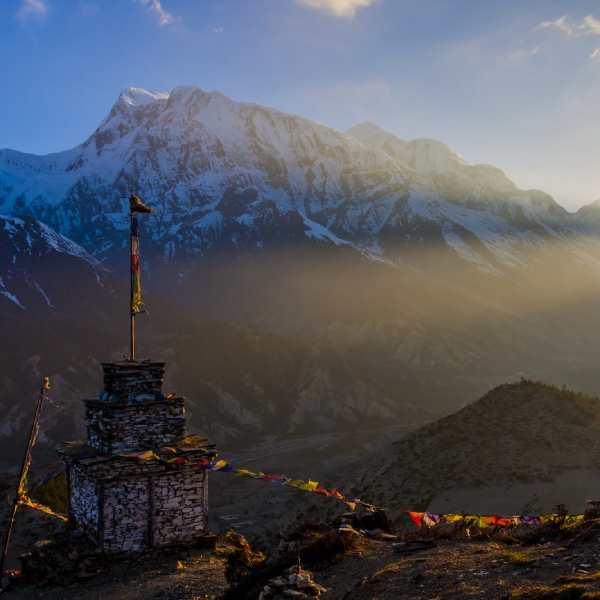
column 137, row 206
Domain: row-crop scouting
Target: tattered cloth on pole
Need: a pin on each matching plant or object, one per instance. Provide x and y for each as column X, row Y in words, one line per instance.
column 136, row 291
column 39, row 506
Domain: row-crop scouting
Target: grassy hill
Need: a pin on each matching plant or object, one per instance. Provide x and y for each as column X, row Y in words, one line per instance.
column 520, row 448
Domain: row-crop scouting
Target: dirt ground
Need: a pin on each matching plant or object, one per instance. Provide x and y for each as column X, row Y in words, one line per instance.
column 165, row 576
column 466, row 569
column 564, row 564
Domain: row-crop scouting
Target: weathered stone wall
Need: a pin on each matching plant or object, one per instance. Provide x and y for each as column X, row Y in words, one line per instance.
column 84, row 501
column 127, row 515
column 140, row 426
column 180, row 507
column 134, row 506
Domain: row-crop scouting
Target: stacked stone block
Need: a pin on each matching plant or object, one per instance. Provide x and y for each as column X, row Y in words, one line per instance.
column 119, row 427
column 132, row 382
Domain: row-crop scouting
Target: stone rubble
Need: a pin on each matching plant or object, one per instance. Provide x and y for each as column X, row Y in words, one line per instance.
column 62, row 561
column 297, row 583
column 72, row 558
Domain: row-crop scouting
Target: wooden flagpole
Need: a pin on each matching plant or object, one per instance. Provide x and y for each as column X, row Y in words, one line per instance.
column 131, row 311
column 24, row 469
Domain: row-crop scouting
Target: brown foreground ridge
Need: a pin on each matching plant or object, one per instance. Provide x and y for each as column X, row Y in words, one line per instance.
column 339, row 561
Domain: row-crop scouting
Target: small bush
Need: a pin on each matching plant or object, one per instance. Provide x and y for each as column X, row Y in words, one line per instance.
column 587, row 406
column 238, row 565
column 518, row 558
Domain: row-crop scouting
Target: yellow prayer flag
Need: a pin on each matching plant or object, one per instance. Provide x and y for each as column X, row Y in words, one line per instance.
column 309, row 487
column 295, row 483
column 148, row 455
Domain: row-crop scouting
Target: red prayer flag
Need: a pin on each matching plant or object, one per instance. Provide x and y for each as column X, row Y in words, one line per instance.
column 135, row 264
column 415, row 516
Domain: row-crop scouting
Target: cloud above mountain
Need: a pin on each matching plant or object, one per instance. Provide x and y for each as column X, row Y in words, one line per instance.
column 32, row 9
column 588, row 26
column 339, row 8
column 164, row 16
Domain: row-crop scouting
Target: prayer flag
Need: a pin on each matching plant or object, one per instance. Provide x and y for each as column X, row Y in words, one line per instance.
column 415, row 516
column 218, row 465
column 136, row 291
column 295, row 483
column 431, row 519
column 280, row 479
column 309, row 487
column 452, row 518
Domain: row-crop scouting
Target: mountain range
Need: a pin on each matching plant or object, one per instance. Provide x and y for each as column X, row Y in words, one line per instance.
column 219, row 172
column 375, row 278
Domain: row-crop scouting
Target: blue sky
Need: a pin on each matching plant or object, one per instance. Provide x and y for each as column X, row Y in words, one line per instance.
column 513, row 83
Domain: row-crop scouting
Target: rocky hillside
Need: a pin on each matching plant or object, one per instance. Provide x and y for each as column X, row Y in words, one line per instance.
column 63, row 313
column 518, row 450
column 58, row 307
column 244, row 386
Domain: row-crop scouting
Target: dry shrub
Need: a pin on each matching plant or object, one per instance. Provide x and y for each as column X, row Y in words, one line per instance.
column 328, row 548
column 252, row 579
column 518, row 558
column 308, row 529
column 543, row 592
column 319, row 546
column 593, row 510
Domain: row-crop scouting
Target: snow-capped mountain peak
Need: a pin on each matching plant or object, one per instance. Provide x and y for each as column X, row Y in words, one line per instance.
column 138, row 97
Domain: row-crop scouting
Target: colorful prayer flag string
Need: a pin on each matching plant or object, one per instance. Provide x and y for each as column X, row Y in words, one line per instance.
column 224, row 467
column 426, row 519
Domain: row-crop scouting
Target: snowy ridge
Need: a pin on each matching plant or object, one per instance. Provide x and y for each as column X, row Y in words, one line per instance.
column 31, row 249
